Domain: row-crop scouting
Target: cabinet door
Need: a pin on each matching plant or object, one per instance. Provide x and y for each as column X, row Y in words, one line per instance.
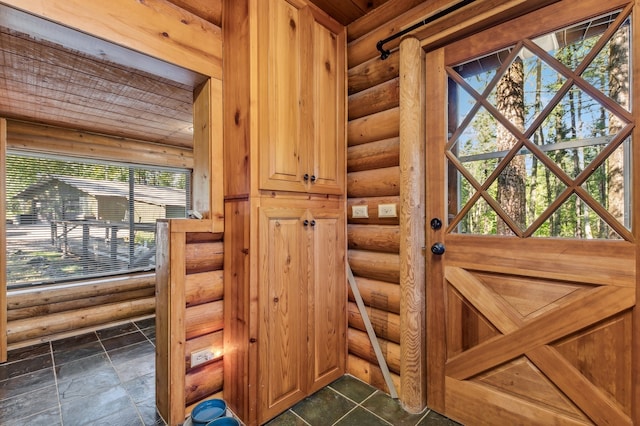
column 282, row 145
column 327, row 62
column 283, row 263
column 301, row 98
column 327, row 299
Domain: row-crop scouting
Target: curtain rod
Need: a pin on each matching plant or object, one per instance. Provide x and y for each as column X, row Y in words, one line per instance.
column 384, row 54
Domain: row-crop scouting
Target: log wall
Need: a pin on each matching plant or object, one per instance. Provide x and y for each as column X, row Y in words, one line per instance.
column 47, row 313
column 189, row 318
column 373, row 178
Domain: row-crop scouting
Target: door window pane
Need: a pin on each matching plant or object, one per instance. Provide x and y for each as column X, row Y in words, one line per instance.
column 551, row 142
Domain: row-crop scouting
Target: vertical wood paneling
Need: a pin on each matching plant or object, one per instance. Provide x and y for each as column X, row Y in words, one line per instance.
column 236, row 313
column 216, row 168
column 237, row 97
column 412, row 226
column 202, row 149
column 3, row 243
column 163, row 302
column 177, row 329
column 436, row 123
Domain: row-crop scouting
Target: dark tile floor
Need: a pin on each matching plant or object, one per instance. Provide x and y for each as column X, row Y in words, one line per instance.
column 107, row 378
column 351, row 402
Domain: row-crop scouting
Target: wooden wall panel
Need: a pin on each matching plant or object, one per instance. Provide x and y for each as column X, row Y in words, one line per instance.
column 374, row 155
column 55, row 140
column 31, row 330
column 375, row 265
column 237, row 97
column 375, row 127
column 374, row 183
column 49, row 312
column 203, row 319
column 370, row 373
column 202, row 382
column 372, row 73
column 378, row 98
column 204, row 287
column 385, row 324
column 378, row 294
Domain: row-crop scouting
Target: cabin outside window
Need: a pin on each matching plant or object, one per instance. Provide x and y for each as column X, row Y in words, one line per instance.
column 69, row 219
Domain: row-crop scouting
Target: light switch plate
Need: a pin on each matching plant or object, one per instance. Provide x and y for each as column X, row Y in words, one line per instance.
column 361, row 211
column 201, row 356
column 387, row 210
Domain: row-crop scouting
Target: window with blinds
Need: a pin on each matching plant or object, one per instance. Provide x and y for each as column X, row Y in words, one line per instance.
column 70, row 220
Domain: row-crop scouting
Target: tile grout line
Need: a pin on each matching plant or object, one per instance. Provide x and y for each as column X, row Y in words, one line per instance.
column 55, row 382
column 357, row 404
column 375, row 414
column 118, row 374
column 298, row 416
column 426, row 413
column 145, row 336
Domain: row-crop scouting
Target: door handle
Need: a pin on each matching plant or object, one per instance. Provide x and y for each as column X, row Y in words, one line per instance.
column 437, row 248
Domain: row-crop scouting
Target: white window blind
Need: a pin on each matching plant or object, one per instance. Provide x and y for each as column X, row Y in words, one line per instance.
column 70, row 220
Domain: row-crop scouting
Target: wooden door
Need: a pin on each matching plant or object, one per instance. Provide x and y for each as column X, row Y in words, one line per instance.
column 531, row 144
column 327, row 297
column 301, row 83
column 282, row 28
column 325, row 62
column 282, row 342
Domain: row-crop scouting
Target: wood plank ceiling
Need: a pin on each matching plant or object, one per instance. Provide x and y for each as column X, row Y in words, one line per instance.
column 53, row 75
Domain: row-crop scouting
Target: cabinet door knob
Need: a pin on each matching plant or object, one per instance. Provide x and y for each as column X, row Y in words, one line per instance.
column 306, row 223
column 306, row 177
column 313, row 178
column 313, row 222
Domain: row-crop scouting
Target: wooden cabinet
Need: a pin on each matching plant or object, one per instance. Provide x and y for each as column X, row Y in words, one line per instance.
column 302, row 306
column 285, row 289
column 285, row 302
column 300, row 92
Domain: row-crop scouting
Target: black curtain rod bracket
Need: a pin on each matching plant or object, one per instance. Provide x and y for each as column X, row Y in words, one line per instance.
column 384, row 53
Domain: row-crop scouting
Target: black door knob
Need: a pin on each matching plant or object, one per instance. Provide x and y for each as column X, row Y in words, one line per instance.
column 437, row 248
column 436, row 223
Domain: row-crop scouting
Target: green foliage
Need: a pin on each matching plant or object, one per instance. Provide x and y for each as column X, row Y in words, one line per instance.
column 574, row 133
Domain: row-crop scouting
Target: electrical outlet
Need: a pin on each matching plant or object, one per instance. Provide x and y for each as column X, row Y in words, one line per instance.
column 201, row 356
column 387, row 210
column 360, row 211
